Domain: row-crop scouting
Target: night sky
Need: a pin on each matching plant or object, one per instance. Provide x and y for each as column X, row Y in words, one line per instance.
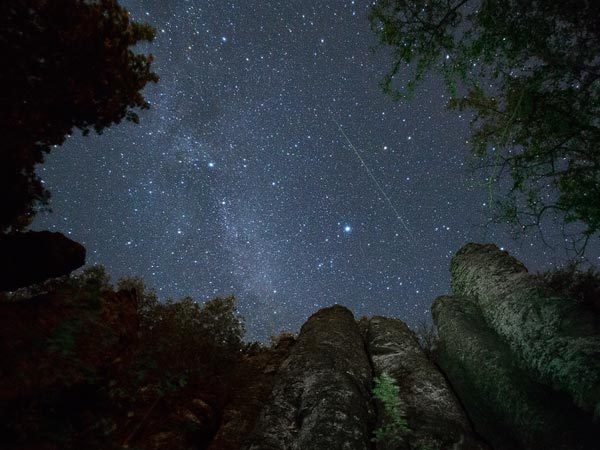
column 240, row 181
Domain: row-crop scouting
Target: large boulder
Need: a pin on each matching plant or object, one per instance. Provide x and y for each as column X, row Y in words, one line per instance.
column 435, row 417
column 34, row 256
column 321, row 396
column 555, row 337
column 507, row 406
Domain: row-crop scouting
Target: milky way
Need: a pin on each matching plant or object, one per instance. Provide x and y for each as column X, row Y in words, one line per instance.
column 238, row 180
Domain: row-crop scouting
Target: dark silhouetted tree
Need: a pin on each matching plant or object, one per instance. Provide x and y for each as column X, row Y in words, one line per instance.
column 530, row 74
column 68, row 65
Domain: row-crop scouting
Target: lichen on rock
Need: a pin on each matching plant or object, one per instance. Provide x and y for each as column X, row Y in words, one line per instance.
column 552, row 336
column 321, row 396
column 508, row 407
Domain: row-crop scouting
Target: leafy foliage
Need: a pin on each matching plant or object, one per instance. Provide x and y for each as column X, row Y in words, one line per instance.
column 581, row 286
column 184, row 338
column 89, row 366
column 69, row 66
column 395, row 428
column 282, row 339
column 530, row 74
column 147, row 300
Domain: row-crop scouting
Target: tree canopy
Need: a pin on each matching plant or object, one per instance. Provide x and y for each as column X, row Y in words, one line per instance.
column 69, row 64
column 530, row 74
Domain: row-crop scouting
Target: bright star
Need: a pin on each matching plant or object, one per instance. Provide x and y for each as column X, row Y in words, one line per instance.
column 347, row 229
column 211, row 164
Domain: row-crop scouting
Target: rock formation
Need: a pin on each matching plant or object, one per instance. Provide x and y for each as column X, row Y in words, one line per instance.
column 254, row 387
column 35, row 256
column 321, row 397
column 435, row 417
column 519, row 362
column 516, row 367
column 554, row 337
column 506, row 404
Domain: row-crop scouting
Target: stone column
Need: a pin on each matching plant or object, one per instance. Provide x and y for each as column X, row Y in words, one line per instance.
column 435, row 418
column 321, row 396
column 553, row 336
column 507, row 406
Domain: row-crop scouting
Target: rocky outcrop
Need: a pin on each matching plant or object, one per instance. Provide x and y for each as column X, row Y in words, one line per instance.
column 510, row 408
column 322, row 393
column 321, row 396
column 435, row 418
column 35, row 256
column 254, row 382
column 516, row 367
column 554, row 337
column 492, row 383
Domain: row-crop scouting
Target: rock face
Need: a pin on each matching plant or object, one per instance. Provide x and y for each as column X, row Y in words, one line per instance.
column 433, row 413
column 510, row 408
column 553, row 337
column 523, row 362
column 33, row 257
column 321, row 396
column 254, row 387
column 517, row 367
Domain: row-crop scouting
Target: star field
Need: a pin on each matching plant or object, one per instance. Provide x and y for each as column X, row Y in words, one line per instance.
column 271, row 166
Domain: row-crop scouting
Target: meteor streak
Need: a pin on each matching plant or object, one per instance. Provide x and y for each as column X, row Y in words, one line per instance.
column 387, row 199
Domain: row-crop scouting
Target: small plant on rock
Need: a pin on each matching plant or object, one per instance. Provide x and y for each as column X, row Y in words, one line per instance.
column 394, row 428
